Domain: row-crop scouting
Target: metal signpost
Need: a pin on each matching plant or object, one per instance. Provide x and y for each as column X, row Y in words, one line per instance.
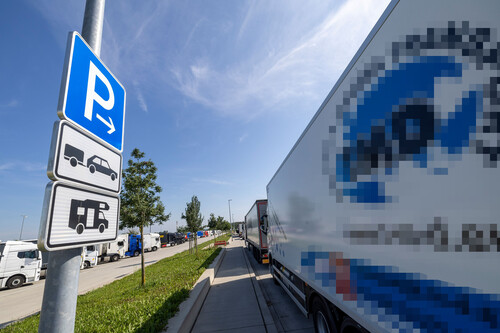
column 81, row 204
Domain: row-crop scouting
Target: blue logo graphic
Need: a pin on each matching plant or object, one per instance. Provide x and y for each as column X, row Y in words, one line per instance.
column 95, row 100
column 392, row 113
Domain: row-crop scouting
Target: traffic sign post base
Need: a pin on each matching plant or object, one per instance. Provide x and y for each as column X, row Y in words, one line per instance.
column 60, row 292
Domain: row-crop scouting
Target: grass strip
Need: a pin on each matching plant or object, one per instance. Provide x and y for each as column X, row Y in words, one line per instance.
column 125, row 306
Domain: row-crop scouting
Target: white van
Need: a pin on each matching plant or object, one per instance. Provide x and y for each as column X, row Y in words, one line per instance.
column 20, row 262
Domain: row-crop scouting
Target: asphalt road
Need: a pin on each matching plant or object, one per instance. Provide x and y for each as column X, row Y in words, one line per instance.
column 286, row 315
column 24, row 301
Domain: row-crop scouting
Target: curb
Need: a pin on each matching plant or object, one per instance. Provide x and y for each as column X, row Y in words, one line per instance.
column 264, row 308
column 185, row 318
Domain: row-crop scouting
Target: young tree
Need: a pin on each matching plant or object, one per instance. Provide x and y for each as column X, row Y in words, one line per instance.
column 220, row 223
column 193, row 218
column 212, row 222
column 140, row 202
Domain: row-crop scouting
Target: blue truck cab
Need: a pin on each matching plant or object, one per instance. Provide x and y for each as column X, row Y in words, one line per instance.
column 134, row 245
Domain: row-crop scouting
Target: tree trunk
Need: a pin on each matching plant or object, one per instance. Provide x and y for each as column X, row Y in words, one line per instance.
column 142, row 256
column 196, row 243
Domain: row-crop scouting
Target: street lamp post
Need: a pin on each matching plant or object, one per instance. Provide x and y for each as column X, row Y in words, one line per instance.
column 229, row 203
column 22, row 226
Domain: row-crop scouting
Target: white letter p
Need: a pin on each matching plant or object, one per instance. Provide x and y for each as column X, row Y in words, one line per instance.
column 92, row 94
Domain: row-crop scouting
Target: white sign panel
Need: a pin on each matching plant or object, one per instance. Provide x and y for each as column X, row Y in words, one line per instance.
column 78, row 157
column 75, row 217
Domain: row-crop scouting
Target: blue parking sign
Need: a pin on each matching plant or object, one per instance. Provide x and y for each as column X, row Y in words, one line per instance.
column 91, row 97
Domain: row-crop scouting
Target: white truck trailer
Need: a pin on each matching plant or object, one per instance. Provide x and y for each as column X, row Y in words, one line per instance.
column 20, row 262
column 256, row 230
column 114, row 250
column 384, row 216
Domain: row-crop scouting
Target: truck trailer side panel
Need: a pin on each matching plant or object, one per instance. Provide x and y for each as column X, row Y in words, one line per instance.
column 254, row 234
column 387, row 205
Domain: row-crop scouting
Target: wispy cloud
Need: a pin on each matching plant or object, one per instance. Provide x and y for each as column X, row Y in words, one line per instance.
column 313, row 58
column 264, row 57
column 23, row 166
column 12, row 103
column 140, row 97
column 243, row 137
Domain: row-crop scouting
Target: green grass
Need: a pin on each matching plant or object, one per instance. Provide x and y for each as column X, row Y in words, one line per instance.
column 126, row 306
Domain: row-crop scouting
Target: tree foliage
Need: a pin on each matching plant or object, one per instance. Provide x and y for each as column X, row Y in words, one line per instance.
column 140, row 201
column 193, row 217
column 218, row 223
column 192, row 214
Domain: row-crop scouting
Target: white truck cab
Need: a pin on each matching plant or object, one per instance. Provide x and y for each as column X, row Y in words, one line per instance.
column 20, row 262
column 89, row 256
column 151, row 242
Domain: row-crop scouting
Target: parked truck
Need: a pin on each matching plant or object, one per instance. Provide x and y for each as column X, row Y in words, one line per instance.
column 20, row 262
column 134, row 246
column 384, row 216
column 114, row 250
column 256, row 231
column 90, row 256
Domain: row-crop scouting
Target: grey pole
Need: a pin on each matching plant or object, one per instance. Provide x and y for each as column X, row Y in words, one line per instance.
column 60, row 292
column 63, row 270
column 22, row 226
column 93, row 21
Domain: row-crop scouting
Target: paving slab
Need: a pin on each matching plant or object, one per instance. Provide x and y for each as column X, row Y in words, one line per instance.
column 234, row 301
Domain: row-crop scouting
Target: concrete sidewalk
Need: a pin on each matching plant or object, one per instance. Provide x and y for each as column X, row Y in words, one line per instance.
column 234, row 301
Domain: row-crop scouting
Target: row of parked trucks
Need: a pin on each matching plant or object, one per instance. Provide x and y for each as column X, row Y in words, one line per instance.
column 384, row 216
column 21, row 261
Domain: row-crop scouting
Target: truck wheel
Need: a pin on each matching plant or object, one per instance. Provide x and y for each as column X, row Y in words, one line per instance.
column 115, row 257
column 92, row 168
column 136, row 253
column 15, row 281
column 79, row 228
column 73, row 162
column 350, row 326
column 155, row 248
column 86, row 264
column 101, row 228
column 322, row 317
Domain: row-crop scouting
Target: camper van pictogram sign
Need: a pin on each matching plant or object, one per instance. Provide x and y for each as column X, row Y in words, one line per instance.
column 74, row 216
column 80, row 158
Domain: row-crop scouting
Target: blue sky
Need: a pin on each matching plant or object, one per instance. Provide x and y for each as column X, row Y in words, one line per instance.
column 217, row 91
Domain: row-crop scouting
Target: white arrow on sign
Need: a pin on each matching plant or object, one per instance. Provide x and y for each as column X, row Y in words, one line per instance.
column 110, row 124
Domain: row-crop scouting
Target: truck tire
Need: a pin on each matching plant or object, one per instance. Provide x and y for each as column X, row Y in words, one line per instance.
column 322, row 317
column 73, row 162
column 155, row 248
column 350, row 326
column 15, row 281
column 101, row 228
column 86, row 264
column 115, row 257
column 136, row 253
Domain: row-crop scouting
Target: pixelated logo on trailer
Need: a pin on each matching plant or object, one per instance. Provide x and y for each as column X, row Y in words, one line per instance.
column 392, row 112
